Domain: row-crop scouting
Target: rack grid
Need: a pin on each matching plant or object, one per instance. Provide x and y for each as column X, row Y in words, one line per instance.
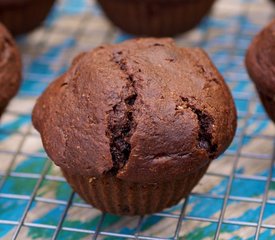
column 234, row 200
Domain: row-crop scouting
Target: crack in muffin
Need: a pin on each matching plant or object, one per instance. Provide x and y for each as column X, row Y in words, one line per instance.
column 121, row 123
column 205, row 122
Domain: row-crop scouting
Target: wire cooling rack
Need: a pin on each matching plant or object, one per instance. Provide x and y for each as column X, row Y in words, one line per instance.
column 235, row 199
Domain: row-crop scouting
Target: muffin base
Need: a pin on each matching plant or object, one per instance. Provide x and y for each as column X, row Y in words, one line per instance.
column 23, row 17
column 269, row 105
column 156, row 17
column 115, row 196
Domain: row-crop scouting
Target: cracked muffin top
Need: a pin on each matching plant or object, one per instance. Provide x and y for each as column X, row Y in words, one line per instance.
column 10, row 68
column 144, row 110
column 260, row 60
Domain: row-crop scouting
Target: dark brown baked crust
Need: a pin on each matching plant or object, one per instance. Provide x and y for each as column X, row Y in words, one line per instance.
column 156, row 17
column 21, row 16
column 144, row 111
column 260, row 63
column 10, row 68
column 260, row 60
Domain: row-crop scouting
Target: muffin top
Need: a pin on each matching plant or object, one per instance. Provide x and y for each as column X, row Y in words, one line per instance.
column 10, row 66
column 144, row 110
column 260, row 60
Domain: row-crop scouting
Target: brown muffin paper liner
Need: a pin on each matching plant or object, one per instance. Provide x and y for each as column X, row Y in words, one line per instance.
column 269, row 105
column 22, row 18
column 115, row 196
column 156, row 17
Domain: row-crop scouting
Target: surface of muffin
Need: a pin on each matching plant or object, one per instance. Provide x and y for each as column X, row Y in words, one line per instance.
column 10, row 68
column 142, row 114
column 156, row 17
column 22, row 16
column 260, row 62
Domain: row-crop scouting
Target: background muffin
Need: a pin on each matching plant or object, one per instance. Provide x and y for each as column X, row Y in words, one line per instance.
column 21, row 16
column 260, row 62
column 156, row 17
column 10, row 68
column 134, row 126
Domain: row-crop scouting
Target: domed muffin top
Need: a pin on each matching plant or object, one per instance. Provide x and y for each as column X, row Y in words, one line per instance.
column 144, row 110
column 10, row 67
column 260, row 60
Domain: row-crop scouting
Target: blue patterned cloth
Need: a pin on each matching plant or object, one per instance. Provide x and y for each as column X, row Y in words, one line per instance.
column 236, row 195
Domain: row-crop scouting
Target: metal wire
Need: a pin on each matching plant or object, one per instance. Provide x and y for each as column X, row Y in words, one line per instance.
column 182, row 217
column 265, row 197
column 20, row 224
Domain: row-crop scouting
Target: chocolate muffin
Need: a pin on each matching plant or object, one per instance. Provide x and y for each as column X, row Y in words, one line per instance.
column 260, row 62
column 10, row 68
column 21, row 16
column 156, row 17
column 134, row 126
